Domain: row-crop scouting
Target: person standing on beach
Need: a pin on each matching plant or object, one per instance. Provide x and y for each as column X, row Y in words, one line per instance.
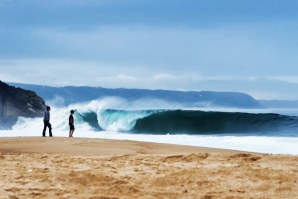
column 46, row 122
column 71, row 123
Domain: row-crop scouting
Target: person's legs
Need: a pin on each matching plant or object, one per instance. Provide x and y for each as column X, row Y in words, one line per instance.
column 44, row 128
column 72, row 132
column 50, row 129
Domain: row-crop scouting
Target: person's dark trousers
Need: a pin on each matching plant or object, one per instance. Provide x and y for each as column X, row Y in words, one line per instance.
column 47, row 124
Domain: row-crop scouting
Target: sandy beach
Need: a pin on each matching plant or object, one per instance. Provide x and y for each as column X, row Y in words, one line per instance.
column 35, row 167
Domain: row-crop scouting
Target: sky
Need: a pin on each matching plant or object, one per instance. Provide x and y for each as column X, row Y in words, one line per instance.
column 246, row 46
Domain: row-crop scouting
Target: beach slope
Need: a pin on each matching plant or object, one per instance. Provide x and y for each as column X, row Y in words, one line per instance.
column 96, row 168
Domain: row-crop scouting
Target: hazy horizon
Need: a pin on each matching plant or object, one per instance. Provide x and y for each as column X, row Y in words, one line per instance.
column 247, row 46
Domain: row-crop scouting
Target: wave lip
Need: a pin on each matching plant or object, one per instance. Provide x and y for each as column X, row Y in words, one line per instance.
column 121, row 120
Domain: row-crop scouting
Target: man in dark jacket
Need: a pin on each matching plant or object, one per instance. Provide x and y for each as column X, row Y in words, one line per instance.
column 46, row 122
column 71, row 123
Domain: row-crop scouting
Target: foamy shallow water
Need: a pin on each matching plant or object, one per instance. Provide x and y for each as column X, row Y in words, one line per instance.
column 262, row 144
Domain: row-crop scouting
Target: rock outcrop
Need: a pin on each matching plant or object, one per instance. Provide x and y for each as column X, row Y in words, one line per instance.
column 15, row 102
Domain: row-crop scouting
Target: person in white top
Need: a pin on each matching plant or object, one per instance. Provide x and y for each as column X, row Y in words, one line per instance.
column 46, row 122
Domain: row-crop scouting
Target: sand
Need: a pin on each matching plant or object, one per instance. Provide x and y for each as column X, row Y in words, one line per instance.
column 97, row 168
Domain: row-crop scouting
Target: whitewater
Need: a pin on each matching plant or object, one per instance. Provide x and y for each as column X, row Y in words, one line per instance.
column 256, row 130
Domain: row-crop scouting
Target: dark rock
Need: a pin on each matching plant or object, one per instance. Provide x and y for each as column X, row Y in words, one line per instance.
column 15, row 102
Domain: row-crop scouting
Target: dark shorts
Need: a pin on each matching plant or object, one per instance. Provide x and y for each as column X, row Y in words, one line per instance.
column 71, row 127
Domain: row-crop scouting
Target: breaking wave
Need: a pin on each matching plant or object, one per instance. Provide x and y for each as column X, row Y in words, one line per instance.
column 189, row 122
column 200, row 122
column 117, row 116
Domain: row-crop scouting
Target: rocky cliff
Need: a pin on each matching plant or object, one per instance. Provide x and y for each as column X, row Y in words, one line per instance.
column 15, row 102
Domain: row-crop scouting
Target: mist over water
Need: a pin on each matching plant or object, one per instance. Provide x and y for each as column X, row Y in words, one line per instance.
column 115, row 118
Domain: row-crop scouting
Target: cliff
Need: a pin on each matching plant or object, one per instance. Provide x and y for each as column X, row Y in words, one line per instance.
column 15, row 102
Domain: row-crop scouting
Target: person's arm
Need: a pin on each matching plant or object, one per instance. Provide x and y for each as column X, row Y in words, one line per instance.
column 47, row 116
column 71, row 120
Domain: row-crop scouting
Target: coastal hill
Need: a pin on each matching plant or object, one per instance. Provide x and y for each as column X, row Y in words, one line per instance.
column 71, row 94
column 15, row 102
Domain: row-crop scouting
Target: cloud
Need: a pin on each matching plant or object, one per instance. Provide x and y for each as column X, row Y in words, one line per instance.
column 288, row 79
column 119, row 77
column 291, row 79
column 164, row 77
column 214, row 51
column 165, row 53
column 55, row 72
column 150, row 57
column 8, row 77
column 194, row 77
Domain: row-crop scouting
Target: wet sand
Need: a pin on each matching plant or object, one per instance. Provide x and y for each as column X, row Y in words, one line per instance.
column 34, row 167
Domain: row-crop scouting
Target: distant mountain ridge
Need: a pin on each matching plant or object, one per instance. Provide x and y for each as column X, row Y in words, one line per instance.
column 15, row 102
column 71, row 94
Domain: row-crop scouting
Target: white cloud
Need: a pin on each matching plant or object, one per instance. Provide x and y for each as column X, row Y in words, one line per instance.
column 292, row 79
column 287, row 79
column 164, row 77
column 59, row 72
column 8, row 77
column 126, row 77
column 194, row 77
column 119, row 77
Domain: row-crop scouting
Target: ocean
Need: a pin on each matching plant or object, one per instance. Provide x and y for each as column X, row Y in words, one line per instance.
column 258, row 130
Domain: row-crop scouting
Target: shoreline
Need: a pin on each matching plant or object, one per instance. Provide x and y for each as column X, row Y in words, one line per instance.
column 98, row 146
column 255, row 144
column 62, row 167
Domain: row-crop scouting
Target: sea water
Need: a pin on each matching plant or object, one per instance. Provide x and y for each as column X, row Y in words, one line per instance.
column 262, row 130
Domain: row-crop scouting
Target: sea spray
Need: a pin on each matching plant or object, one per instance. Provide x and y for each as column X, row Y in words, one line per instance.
column 97, row 115
column 114, row 118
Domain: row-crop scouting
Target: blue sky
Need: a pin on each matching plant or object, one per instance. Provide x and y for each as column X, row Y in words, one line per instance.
column 223, row 45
